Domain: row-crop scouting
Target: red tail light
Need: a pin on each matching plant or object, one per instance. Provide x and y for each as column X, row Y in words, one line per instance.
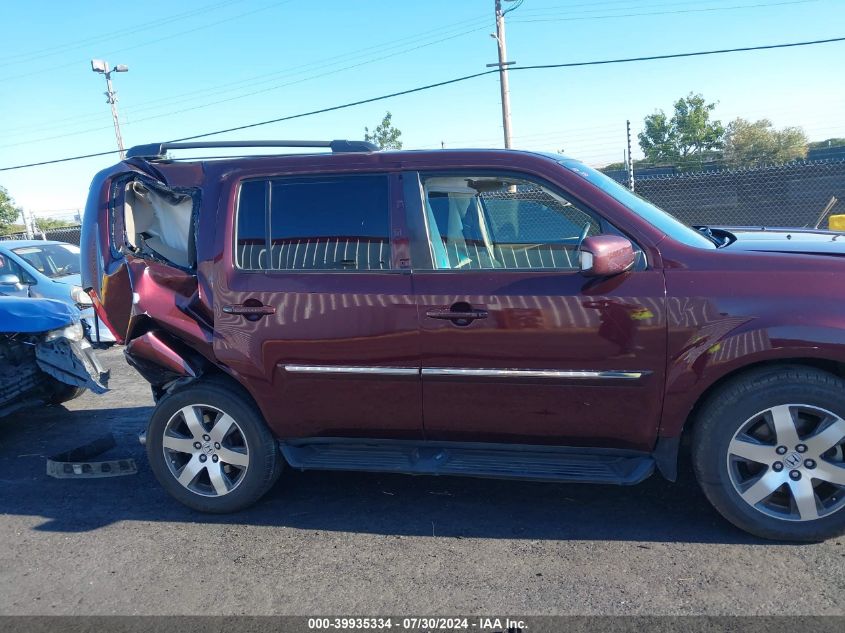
column 101, row 314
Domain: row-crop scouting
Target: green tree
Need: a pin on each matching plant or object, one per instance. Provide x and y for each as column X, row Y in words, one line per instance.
column 621, row 165
column 48, row 224
column 748, row 144
column 9, row 213
column 688, row 138
column 829, row 142
column 613, row 167
column 385, row 135
column 657, row 140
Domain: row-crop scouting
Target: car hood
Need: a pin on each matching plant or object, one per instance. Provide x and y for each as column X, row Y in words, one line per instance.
column 70, row 280
column 30, row 315
column 809, row 241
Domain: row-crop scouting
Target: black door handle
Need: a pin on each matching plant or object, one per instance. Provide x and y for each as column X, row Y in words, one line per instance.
column 463, row 315
column 252, row 311
column 452, row 316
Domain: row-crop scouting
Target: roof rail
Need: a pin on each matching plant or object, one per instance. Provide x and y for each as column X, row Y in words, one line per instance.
column 159, row 150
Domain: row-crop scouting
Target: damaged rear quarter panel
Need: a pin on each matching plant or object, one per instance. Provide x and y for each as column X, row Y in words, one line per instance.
column 164, row 307
column 169, row 297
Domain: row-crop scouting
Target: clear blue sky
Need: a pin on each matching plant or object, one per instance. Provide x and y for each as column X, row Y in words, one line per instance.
column 200, row 65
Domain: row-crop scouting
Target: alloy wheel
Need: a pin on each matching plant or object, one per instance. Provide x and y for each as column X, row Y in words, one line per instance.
column 205, row 450
column 787, row 462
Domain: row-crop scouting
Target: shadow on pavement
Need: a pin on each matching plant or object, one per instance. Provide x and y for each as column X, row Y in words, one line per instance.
column 655, row 510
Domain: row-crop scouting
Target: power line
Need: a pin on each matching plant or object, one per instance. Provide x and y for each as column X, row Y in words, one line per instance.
column 392, row 45
column 489, row 72
column 678, row 55
column 593, row 5
column 35, row 55
column 634, row 5
column 672, row 12
column 60, row 160
column 155, row 41
column 19, row 58
column 447, row 82
column 346, row 56
column 230, row 86
column 254, row 92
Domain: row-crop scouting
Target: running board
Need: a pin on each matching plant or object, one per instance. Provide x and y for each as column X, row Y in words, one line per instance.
column 502, row 461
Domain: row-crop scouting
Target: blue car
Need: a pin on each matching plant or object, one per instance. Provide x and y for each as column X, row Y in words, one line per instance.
column 44, row 356
column 47, row 269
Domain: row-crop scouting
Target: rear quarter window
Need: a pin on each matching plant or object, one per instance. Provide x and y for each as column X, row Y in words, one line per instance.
column 251, row 232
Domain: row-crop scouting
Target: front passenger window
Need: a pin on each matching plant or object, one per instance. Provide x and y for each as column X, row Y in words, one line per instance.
column 489, row 222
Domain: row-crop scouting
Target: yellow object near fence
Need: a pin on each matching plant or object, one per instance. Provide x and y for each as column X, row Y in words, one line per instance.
column 836, row 222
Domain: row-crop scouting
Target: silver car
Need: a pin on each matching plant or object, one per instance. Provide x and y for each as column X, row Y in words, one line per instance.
column 42, row 268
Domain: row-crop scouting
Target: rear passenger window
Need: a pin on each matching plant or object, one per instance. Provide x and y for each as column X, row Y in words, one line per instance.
column 332, row 223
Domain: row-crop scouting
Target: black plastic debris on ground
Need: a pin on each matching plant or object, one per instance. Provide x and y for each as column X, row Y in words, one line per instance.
column 76, row 463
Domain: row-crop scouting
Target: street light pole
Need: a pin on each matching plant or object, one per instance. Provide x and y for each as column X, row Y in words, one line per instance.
column 102, row 67
column 111, row 97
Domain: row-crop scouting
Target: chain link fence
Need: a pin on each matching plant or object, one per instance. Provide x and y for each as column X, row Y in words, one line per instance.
column 69, row 234
column 793, row 195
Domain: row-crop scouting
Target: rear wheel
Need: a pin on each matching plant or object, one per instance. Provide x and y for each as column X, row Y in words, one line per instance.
column 768, row 453
column 209, row 447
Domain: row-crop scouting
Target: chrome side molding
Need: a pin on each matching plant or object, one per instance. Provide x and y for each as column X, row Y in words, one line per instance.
column 554, row 374
column 352, row 369
column 536, row 373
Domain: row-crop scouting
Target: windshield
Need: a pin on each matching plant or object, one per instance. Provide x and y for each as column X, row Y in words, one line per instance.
column 51, row 260
column 652, row 214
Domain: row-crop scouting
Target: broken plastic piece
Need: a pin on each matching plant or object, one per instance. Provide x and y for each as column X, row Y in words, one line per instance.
column 74, row 463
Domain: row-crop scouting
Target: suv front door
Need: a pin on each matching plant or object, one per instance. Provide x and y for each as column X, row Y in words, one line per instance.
column 314, row 310
column 517, row 345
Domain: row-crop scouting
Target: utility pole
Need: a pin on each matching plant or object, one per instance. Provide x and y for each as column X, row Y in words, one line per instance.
column 630, row 158
column 102, row 67
column 503, row 66
column 35, row 228
column 26, row 228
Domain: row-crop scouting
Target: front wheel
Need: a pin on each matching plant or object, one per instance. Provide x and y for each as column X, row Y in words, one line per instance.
column 209, row 447
column 768, row 453
column 65, row 393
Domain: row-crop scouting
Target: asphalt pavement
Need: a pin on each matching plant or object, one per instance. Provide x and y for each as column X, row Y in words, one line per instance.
column 370, row 544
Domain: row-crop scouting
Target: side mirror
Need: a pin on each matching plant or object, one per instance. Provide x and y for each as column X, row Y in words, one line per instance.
column 10, row 280
column 606, row 255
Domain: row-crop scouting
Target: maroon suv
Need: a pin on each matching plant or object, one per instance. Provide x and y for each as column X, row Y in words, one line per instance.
column 487, row 313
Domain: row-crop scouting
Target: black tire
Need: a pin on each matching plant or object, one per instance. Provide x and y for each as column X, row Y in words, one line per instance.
column 65, row 393
column 725, row 413
column 265, row 461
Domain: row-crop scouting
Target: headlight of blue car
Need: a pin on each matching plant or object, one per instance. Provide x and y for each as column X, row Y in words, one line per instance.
column 80, row 297
column 72, row 332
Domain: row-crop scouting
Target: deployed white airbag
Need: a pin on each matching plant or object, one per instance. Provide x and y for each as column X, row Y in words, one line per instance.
column 161, row 221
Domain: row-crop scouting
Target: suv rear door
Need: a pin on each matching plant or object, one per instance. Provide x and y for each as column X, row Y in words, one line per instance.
column 517, row 345
column 313, row 305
